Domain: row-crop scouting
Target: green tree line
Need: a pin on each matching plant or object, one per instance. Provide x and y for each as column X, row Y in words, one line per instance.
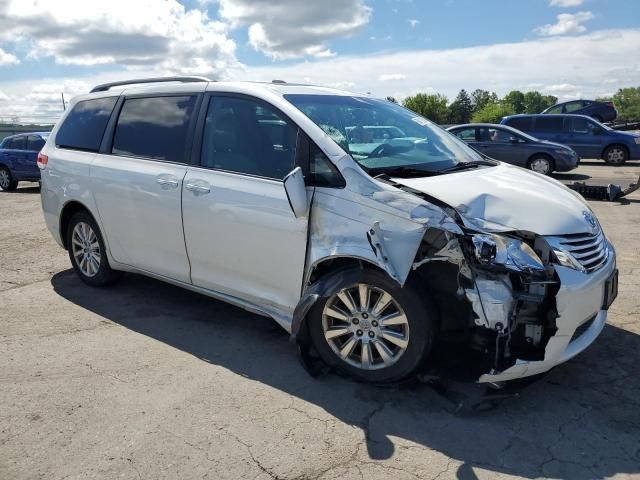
column 486, row 107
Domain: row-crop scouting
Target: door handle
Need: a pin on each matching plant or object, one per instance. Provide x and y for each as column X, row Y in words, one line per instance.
column 197, row 189
column 167, row 182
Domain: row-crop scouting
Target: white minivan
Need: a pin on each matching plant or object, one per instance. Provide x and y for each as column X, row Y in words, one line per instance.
column 363, row 229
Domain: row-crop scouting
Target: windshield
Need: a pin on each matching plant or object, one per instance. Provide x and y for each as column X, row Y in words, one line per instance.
column 384, row 137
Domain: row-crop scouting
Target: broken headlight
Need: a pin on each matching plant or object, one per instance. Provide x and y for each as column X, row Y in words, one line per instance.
column 508, row 252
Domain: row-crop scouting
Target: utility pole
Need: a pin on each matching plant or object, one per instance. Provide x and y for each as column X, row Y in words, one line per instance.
column 64, row 107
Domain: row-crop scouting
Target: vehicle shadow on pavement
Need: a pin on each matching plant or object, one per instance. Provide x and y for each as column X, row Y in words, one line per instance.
column 582, row 421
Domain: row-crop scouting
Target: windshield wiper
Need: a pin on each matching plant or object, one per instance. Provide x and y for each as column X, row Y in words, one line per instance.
column 467, row 165
column 401, row 171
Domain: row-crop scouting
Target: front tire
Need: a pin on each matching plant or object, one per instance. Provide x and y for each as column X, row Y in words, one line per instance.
column 541, row 164
column 615, row 155
column 7, row 183
column 372, row 329
column 87, row 251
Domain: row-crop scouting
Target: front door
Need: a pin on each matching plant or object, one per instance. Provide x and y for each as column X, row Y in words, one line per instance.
column 138, row 184
column 242, row 237
column 581, row 138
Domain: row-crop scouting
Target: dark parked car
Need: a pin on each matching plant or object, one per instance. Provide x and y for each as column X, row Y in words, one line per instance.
column 600, row 111
column 18, row 155
column 590, row 139
column 512, row 146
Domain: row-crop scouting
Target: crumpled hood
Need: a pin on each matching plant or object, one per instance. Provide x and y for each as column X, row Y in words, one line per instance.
column 505, row 197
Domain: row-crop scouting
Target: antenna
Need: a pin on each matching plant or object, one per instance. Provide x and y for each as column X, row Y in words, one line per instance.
column 64, row 106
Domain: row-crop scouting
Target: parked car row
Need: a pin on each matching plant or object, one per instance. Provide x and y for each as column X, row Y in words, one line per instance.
column 546, row 143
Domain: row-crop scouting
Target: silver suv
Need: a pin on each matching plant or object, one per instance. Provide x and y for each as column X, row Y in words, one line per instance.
column 363, row 229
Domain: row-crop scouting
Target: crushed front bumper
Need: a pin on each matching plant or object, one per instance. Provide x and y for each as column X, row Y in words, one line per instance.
column 581, row 318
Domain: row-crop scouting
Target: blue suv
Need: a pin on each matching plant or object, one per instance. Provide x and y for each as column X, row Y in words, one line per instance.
column 590, row 139
column 18, row 156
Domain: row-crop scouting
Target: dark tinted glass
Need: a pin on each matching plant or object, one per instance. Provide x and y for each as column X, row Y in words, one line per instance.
column 520, row 123
column 154, row 127
column 84, row 126
column 549, row 124
column 323, row 173
column 244, row 136
column 35, row 143
column 17, row 143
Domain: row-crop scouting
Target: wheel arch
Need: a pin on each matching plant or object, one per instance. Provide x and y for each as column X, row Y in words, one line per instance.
column 68, row 211
column 615, row 144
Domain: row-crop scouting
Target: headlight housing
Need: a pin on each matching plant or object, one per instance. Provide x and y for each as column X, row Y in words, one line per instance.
column 507, row 252
column 637, row 140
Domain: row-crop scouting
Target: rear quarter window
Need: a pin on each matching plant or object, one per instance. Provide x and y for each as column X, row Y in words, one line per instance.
column 84, row 126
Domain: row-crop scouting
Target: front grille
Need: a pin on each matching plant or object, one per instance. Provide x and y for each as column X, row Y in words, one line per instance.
column 582, row 328
column 588, row 249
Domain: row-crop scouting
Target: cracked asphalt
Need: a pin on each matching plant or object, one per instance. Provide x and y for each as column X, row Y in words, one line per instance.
column 147, row 381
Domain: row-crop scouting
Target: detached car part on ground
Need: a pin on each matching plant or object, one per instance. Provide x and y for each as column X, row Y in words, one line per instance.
column 397, row 241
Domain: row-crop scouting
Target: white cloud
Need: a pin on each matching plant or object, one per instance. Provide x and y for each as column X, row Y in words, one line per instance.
column 391, row 76
column 7, row 58
column 413, row 22
column 159, row 33
column 291, row 28
column 559, row 63
column 567, row 23
column 565, row 3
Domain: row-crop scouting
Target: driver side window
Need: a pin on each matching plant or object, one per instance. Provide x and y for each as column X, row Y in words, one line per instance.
column 245, row 136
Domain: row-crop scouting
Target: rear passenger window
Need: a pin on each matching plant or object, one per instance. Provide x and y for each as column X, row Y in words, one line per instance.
column 84, row 126
column 467, row 134
column 520, row 123
column 573, row 106
column 35, row 143
column 154, row 127
column 244, row 136
column 549, row 124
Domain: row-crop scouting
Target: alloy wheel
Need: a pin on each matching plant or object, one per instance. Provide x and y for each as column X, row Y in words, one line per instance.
column 366, row 327
column 86, row 249
column 5, row 180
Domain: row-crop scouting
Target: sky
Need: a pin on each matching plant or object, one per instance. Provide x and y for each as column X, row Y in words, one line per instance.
column 567, row 48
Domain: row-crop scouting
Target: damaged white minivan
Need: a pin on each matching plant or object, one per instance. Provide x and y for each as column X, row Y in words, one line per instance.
column 362, row 228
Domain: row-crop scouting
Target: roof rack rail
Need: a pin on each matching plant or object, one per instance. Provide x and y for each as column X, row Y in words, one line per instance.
column 278, row 81
column 106, row 86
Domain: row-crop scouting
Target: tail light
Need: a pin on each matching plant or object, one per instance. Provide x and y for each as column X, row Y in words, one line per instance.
column 42, row 160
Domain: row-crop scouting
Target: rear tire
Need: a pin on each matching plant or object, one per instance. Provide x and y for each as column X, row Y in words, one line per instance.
column 7, row 183
column 615, row 155
column 372, row 343
column 87, row 251
column 541, row 164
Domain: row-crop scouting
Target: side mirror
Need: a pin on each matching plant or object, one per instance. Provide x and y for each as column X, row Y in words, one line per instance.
column 514, row 140
column 596, row 130
column 296, row 192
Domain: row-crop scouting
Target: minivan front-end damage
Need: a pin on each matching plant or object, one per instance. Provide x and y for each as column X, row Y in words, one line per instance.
column 501, row 294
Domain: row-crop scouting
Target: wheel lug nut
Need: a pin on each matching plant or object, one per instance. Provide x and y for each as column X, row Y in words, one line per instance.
column 359, row 333
column 374, row 323
column 371, row 334
column 365, row 315
column 355, row 321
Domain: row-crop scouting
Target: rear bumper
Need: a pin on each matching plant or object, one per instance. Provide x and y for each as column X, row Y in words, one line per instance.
column 580, row 320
